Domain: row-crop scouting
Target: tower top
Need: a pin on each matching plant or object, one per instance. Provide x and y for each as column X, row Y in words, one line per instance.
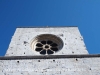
column 46, row 40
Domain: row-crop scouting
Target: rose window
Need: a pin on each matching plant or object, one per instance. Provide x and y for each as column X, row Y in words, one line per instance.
column 47, row 44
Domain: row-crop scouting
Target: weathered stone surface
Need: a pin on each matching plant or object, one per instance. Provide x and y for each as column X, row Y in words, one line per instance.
column 66, row 66
column 73, row 45
column 73, row 41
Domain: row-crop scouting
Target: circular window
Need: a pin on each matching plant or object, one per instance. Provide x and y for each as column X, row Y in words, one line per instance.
column 47, row 44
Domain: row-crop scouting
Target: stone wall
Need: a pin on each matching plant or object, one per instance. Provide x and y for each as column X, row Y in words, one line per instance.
column 66, row 66
column 71, row 37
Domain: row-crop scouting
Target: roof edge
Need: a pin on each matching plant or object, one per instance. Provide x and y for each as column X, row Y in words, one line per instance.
column 44, row 26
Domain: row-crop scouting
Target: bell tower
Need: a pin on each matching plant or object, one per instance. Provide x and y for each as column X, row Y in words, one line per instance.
column 48, row 51
column 46, row 41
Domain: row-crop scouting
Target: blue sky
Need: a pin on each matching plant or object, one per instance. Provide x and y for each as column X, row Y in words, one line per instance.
column 82, row 13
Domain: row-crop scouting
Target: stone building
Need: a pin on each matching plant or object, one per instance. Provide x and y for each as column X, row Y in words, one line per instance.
column 48, row 51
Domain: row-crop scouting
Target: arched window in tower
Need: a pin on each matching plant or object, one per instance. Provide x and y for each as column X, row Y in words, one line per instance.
column 47, row 44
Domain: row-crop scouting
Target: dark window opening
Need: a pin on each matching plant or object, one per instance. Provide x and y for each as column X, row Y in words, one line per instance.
column 49, row 42
column 39, row 45
column 46, row 46
column 38, row 49
column 49, row 52
column 43, row 42
column 43, row 52
column 54, row 49
column 54, row 45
